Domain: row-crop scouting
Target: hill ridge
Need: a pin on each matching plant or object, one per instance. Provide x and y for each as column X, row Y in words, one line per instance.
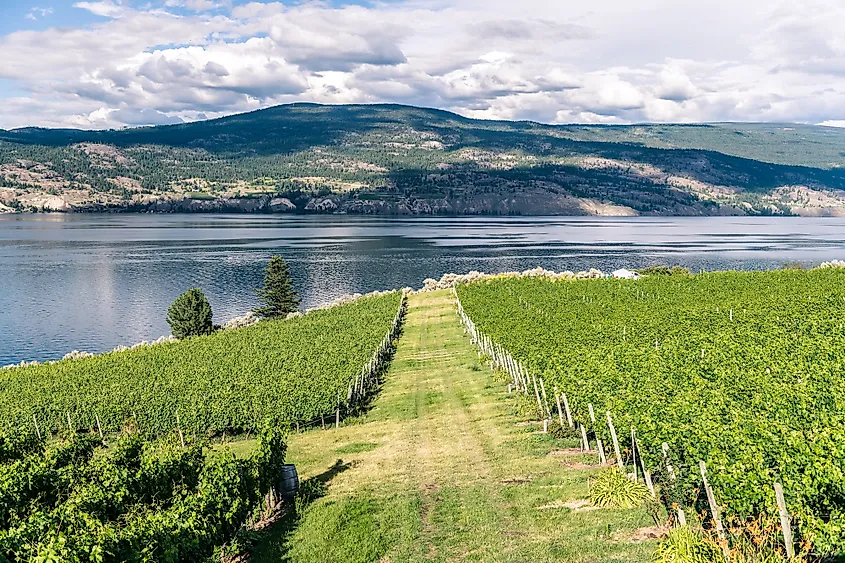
column 396, row 159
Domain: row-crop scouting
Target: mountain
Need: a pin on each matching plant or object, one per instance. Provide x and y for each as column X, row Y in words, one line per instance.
column 399, row 159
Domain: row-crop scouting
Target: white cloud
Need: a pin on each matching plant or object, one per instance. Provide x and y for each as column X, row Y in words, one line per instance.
column 104, row 8
column 195, row 5
column 608, row 61
column 36, row 13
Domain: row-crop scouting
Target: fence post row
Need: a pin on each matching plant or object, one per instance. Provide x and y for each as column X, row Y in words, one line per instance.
column 367, row 379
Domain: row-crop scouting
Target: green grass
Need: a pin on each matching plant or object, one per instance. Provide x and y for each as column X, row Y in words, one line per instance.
column 357, row 448
column 356, row 528
column 441, row 469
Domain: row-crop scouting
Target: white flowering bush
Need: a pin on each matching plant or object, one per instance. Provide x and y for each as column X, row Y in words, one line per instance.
column 451, row 280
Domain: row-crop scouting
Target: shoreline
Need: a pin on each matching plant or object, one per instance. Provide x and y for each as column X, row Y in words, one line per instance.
column 344, row 204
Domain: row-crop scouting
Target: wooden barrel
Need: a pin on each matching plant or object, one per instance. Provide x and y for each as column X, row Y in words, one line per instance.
column 290, row 481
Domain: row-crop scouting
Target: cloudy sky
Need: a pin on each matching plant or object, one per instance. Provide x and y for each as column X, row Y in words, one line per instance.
column 110, row 63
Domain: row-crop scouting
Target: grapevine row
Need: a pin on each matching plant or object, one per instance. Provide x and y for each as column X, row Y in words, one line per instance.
column 280, row 372
column 741, row 371
column 75, row 501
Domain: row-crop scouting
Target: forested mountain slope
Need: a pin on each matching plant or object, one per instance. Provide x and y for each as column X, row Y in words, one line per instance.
column 399, row 159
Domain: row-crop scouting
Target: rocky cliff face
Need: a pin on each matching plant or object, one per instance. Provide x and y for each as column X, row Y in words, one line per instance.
column 490, row 205
column 528, row 203
column 261, row 204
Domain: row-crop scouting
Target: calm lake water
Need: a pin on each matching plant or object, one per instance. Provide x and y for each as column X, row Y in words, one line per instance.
column 93, row 282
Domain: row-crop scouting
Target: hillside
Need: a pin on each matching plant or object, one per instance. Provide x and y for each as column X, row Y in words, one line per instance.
column 404, row 160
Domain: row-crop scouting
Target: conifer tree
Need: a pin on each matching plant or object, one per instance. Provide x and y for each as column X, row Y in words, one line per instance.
column 278, row 294
column 190, row 315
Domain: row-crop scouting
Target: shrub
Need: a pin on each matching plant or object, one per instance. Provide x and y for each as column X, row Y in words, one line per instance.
column 685, row 545
column 612, row 488
column 751, row 541
column 190, row 315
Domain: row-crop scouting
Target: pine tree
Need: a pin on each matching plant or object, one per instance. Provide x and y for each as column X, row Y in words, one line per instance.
column 278, row 294
column 190, row 315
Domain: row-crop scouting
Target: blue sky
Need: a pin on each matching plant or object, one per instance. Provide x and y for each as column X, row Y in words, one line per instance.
column 110, row 63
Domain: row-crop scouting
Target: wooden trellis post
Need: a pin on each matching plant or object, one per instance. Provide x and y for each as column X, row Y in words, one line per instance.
column 711, row 500
column 568, row 412
column 599, row 445
column 559, row 410
column 785, row 522
column 682, row 517
column 615, row 442
column 178, row 427
column 585, row 443
column 537, row 393
column 545, row 400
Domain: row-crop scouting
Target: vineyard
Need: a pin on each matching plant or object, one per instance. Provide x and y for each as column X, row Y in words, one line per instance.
column 107, row 458
column 76, row 501
column 741, row 371
column 275, row 372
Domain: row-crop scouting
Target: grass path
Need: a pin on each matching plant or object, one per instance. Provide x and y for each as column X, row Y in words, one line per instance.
column 442, row 470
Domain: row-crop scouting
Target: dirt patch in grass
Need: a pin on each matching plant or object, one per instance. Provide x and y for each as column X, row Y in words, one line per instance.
column 567, row 452
column 431, row 488
column 581, row 505
column 516, row 481
column 577, row 465
column 648, row 533
column 577, row 505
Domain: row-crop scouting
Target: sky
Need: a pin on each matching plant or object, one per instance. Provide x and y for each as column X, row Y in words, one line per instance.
column 113, row 63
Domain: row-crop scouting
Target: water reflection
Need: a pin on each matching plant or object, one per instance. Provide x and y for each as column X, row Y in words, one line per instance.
column 92, row 282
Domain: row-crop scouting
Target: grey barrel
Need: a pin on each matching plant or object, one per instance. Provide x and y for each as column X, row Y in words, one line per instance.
column 290, row 481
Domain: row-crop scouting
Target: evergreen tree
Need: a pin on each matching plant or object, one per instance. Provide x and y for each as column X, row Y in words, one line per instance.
column 190, row 315
column 278, row 295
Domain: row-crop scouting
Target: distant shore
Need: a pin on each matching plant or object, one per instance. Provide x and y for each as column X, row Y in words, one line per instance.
column 524, row 204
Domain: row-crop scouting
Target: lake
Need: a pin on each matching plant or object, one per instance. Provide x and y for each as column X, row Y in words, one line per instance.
column 92, row 282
